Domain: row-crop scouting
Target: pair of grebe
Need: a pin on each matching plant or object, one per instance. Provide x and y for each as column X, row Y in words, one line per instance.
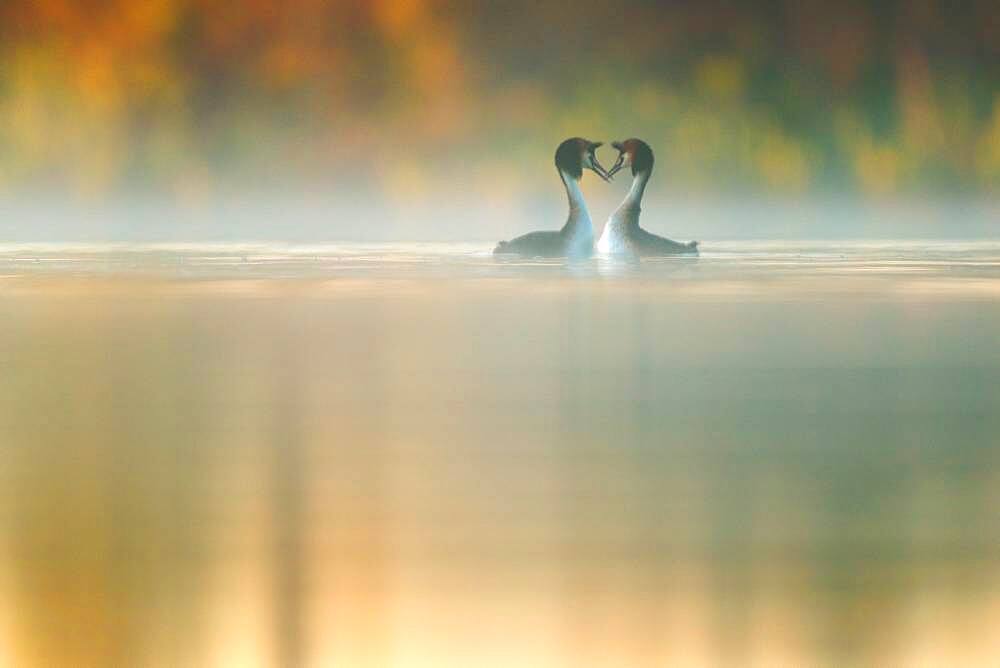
column 622, row 234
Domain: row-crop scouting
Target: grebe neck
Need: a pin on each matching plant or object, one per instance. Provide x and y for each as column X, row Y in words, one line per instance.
column 627, row 214
column 579, row 217
column 633, row 200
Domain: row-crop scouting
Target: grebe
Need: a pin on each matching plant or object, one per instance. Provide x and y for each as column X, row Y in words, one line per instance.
column 622, row 234
column 576, row 238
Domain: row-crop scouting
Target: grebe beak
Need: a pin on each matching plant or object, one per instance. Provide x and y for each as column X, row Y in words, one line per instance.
column 618, row 164
column 599, row 170
column 596, row 166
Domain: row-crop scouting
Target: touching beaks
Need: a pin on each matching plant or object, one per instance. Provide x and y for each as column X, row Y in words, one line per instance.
column 599, row 169
column 595, row 165
column 619, row 163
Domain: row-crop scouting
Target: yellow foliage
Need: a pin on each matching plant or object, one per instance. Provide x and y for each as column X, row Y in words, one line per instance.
column 651, row 100
column 721, row 77
column 783, row 164
column 988, row 149
column 699, row 134
column 878, row 168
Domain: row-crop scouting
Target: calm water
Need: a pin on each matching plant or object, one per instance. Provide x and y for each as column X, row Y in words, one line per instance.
column 417, row 455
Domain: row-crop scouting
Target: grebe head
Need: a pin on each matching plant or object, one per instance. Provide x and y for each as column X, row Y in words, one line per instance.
column 634, row 153
column 576, row 154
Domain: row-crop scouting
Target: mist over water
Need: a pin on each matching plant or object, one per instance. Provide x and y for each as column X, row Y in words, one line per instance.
column 338, row 216
column 399, row 454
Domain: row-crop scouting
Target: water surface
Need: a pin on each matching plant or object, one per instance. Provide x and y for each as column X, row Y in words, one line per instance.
column 420, row 455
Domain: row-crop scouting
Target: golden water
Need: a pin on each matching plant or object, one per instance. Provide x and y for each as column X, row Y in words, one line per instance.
column 419, row 456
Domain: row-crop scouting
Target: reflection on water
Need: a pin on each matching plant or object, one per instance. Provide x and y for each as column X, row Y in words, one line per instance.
column 420, row 456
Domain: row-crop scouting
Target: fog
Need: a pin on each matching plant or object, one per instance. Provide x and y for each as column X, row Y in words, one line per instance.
column 328, row 217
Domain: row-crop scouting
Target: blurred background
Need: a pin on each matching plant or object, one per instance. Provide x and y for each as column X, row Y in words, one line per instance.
column 422, row 119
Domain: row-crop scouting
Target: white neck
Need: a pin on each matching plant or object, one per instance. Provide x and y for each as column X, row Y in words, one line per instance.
column 579, row 217
column 626, row 216
column 633, row 200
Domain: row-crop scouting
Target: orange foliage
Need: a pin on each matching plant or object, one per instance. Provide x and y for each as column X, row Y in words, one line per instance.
column 97, row 95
